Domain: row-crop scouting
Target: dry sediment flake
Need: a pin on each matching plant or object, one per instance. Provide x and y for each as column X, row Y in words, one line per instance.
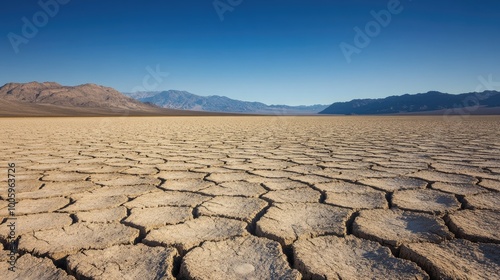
column 140, row 171
column 395, row 184
column 61, row 242
column 274, row 173
column 455, row 259
column 34, row 206
column 429, row 201
column 32, row 268
column 287, row 222
column 106, row 216
column 24, row 176
column 213, row 169
column 367, row 200
column 96, row 169
column 395, row 227
column 240, row 208
column 229, row 177
column 490, row 184
column 192, row 185
column 339, row 186
column 177, row 175
column 457, row 188
column 239, row 258
column 476, row 225
column 394, row 171
column 21, row 187
column 44, row 167
column 436, row 176
column 167, row 198
column 64, row 176
column 362, row 174
column 311, row 179
column 463, row 169
column 489, row 200
column 193, row 232
column 280, row 184
column 331, row 257
column 123, row 180
column 177, row 166
column 124, row 262
column 129, row 191
column 55, row 189
column 304, row 169
column 294, row 195
column 146, row 219
column 88, row 202
column 36, row 222
column 236, row 188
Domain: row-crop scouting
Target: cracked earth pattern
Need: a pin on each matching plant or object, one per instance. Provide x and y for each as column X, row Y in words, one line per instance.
column 253, row 197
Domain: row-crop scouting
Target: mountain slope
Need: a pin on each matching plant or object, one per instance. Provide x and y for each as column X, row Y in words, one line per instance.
column 423, row 102
column 187, row 101
column 88, row 95
column 53, row 99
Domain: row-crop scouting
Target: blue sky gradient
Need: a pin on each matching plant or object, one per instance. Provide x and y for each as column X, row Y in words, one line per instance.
column 276, row 52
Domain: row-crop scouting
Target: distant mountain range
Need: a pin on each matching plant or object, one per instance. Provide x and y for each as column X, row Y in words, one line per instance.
column 53, row 99
column 184, row 100
column 436, row 102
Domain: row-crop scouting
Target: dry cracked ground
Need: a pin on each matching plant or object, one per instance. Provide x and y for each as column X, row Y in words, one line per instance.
column 253, row 197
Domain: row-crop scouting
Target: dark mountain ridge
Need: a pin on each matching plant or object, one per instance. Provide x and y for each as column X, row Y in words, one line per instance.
column 415, row 103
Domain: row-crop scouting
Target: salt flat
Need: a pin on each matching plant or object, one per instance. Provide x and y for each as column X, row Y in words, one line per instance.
column 253, row 197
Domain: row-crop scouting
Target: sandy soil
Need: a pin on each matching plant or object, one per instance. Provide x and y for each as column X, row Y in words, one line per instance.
column 253, row 197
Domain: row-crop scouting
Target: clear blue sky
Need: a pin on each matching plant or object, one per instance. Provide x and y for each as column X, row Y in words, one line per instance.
column 276, row 52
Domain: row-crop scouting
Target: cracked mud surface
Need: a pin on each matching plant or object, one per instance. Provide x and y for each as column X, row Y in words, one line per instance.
column 253, row 197
column 330, row 257
column 124, row 262
column 239, row 258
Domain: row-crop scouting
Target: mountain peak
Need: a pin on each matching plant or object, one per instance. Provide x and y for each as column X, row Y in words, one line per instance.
column 87, row 95
column 31, row 85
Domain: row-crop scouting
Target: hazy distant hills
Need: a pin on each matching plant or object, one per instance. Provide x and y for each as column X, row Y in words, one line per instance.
column 432, row 101
column 184, row 100
column 53, row 99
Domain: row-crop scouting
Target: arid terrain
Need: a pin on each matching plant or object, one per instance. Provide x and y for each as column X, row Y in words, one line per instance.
column 50, row 99
column 252, row 197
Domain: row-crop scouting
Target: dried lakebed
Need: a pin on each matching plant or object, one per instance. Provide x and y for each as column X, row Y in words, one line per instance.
column 252, row 197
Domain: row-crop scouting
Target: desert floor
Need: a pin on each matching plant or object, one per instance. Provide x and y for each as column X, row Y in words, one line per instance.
column 252, row 197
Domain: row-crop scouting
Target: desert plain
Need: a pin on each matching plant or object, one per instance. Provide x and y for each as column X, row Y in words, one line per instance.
column 398, row 197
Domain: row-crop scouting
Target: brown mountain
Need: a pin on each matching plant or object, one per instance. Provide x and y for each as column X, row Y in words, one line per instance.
column 53, row 99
